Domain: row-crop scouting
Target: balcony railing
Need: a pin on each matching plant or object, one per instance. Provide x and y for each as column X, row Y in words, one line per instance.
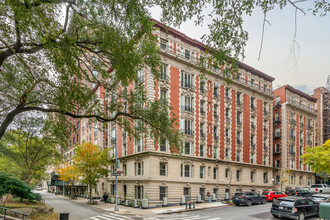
column 301, row 105
column 188, row 131
column 187, row 108
column 188, row 85
column 292, row 153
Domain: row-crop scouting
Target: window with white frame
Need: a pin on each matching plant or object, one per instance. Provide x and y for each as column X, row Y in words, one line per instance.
column 163, row 43
column 163, row 95
column 227, row 92
column 265, row 160
column 163, row 72
column 252, row 158
column 162, row 192
column 227, row 153
column 227, row 173
column 162, row 169
column 202, row 172
column 187, row 103
column 277, row 148
column 163, row 144
column 238, row 175
column 277, row 164
column 186, row 80
column 187, row 126
column 252, row 176
column 139, row 168
column 201, row 150
column 292, row 163
column 187, row 148
column 292, row 179
column 139, row 144
column 309, row 181
column 238, row 156
column 186, row 170
column 215, row 152
column 278, row 100
column 215, row 173
column 265, row 177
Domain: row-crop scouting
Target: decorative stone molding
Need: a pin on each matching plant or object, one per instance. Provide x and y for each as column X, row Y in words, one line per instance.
column 164, row 159
column 138, row 158
column 163, row 183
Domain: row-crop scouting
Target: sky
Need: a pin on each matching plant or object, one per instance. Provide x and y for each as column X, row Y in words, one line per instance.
column 305, row 69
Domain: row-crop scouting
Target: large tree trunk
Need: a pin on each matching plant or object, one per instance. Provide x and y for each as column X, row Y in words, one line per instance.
column 9, row 119
column 90, row 193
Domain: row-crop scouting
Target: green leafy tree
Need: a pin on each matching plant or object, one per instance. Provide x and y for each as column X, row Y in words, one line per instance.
column 69, row 173
column 26, row 155
column 318, row 158
column 91, row 163
column 13, row 186
column 46, row 50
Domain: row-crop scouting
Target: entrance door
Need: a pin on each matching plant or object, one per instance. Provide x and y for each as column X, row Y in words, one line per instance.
column 186, row 193
column 202, row 193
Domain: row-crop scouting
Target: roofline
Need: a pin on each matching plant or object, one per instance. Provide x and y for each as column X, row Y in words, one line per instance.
column 298, row 92
column 177, row 34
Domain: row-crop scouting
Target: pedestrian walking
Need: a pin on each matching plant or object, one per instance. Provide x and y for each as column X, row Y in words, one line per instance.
column 209, row 196
column 105, row 197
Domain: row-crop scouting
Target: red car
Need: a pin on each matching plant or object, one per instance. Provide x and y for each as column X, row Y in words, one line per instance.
column 273, row 195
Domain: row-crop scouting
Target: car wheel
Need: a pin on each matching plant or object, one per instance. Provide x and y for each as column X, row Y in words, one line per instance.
column 275, row 216
column 249, row 203
column 264, row 201
column 274, row 199
column 301, row 216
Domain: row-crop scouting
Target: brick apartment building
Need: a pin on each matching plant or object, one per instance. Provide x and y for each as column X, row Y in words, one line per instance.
column 294, row 130
column 323, row 115
column 228, row 130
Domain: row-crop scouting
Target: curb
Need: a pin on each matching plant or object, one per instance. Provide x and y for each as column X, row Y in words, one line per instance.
column 189, row 210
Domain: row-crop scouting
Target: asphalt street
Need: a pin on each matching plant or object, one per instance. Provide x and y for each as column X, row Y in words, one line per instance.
column 80, row 211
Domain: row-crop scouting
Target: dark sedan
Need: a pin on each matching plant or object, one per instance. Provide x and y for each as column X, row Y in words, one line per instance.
column 248, row 198
column 293, row 207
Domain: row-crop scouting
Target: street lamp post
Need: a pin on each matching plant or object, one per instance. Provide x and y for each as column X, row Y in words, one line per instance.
column 116, row 172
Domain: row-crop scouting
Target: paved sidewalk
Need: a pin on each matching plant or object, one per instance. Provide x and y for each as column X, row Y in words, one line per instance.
column 151, row 211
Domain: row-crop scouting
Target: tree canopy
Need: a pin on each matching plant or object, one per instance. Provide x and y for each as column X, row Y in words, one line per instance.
column 26, row 154
column 318, row 158
column 47, row 49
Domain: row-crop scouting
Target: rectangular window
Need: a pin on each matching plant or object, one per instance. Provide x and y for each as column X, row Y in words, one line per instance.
column 265, row 177
column 238, row 175
column 201, row 151
column 187, row 148
column 139, row 168
column 124, row 169
column 277, row 148
column 187, row 126
column 277, row 164
column 138, row 192
column 162, row 169
column 227, row 153
column 252, row 176
column 215, row 173
column 139, row 145
column 162, row 192
column 277, row 179
column 163, row 44
column 163, row 145
column 215, row 152
column 201, row 172
column 163, row 72
column 186, row 80
column 186, row 170
column 163, row 95
column 227, row 173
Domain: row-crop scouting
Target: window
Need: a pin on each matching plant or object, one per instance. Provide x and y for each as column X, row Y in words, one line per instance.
column 265, row 160
column 309, row 181
column 139, row 168
column 162, row 169
column 227, row 173
column 209, row 171
column 125, row 149
column 138, row 192
column 74, row 141
column 209, row 150
column 163, row 145
column 292, row 179
column 278, row 100
column 252, row 176
column 215, row 152
column 227, row 153
column 265, row 177
column 253, row 103
column 186, row 80
column 187, row 54
column 277, row 179
column 187, row 103
column 209, row 107
column 277, row 117
column 187, row 126
column 95, row 60
column 187, row 148
column 227, row 112
column 292, row 164
column 216, row 90
column 238, row 175
column 215, row 173
column 277, row 148
column 227, row 92
column 215, row 110
column 277, row 132
column 163, row 72
column 78, row 125
column 238, row 156
column 201, row 151
column 201, row 172
column 163, row 43
column 202, row 130
column 202, row 107
column 163, row 95
column 252, row 158
column 238, row 98
column 239, row 118
column 162, row 192
column 186, row 170
column 277, row 164
column 77, row 138
column 140, row 76
column 139, row 144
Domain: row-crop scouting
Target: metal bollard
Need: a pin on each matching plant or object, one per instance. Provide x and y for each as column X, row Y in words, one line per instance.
column 186, row 205
column 194, row 205
column 189, row 205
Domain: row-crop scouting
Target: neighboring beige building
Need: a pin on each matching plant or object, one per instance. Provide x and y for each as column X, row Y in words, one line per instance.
column 294, row 130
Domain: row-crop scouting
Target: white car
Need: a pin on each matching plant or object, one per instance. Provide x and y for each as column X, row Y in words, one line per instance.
column 319, row 188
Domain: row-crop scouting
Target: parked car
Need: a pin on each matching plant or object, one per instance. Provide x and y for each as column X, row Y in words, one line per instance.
column 272, row 195
column 248, row 198
column 319, row 188
column 298, row 192
column 318, row 198
column 294, row 207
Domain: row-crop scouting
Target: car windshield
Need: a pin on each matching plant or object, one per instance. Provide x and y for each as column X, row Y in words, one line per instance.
column 316, row 186
column 265, row 193
column 284, row 202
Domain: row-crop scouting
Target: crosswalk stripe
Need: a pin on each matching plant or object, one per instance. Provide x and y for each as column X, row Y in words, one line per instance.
column 214, row 218
column 100, row 216
column 116, row 216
